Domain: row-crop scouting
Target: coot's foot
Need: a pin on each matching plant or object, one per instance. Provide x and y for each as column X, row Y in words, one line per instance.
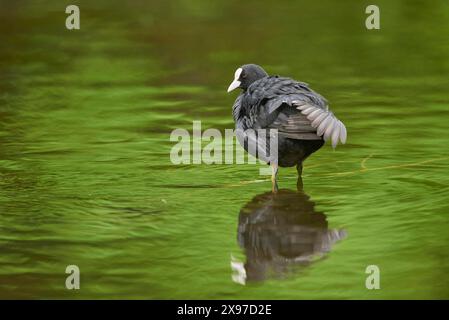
column 299, row 184
column 274, row 172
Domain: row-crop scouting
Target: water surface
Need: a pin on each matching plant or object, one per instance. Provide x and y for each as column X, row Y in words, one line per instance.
column 86, row 177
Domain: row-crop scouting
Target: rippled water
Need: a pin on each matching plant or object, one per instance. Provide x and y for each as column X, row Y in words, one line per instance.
column 86, row 177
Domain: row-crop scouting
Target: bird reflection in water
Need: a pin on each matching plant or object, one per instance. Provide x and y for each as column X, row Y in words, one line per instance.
column 279, row 232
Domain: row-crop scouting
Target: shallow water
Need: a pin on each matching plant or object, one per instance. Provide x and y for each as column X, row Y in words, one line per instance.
column 86, row 177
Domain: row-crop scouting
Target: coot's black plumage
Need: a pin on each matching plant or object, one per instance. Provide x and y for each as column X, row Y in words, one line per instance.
column 300, row 115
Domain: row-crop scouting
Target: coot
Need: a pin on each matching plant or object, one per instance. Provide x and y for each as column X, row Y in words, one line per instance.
column 300, row 116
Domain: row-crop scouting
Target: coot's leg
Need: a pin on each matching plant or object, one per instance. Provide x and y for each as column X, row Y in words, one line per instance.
column 299, row 184
column 274, row 172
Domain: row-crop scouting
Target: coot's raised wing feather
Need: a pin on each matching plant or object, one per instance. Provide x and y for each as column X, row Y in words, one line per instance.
column 324, row 122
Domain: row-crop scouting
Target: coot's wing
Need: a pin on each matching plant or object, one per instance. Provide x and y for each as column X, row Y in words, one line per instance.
column 306, row 121
column 292, row 108
column 298, row 112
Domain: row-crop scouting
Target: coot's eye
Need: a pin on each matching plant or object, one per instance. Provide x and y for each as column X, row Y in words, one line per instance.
column 243, row 75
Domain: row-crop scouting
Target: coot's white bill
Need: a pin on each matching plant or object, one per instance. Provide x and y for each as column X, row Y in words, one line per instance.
column 236, row 83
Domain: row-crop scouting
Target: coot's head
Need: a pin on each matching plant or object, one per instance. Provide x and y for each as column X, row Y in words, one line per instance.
column 245, row 75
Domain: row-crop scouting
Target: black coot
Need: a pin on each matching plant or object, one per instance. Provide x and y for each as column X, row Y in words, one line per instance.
column 300, row 115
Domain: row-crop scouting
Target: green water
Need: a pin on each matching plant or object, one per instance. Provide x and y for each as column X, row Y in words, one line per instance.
column 86, row 177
